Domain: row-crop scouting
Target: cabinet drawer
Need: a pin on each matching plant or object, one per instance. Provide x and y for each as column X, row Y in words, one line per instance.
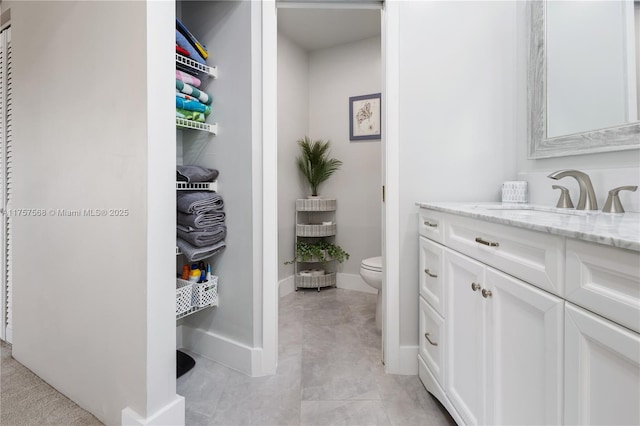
column 535, row 257
column 431, row 273
column 605, row 280
column 431, row 225
column 431, row 339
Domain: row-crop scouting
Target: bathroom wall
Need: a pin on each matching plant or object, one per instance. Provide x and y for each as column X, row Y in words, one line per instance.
column 335, row 74
column 458, row 118
column 91, row 317
column 293, row 124
column 607, row 170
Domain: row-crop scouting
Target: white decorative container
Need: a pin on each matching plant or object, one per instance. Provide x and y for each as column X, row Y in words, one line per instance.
column 515, row 192
column 205, row 293
column 184, row 291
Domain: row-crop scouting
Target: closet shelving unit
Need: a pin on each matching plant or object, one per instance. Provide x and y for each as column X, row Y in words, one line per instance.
column 212, row 72
column 181, row 123
column 315, row 221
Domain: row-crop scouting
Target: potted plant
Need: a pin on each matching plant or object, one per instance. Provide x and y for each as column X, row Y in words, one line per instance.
column 321, row 251
column 314, row 162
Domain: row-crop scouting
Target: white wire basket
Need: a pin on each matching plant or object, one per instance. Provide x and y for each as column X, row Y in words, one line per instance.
column 184, row 291
column 205, row 294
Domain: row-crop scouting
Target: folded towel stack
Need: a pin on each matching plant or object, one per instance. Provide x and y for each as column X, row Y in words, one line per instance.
column 191, row 102
column 201, row 228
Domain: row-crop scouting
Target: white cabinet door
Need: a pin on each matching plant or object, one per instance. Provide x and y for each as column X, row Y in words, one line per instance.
column 524, row 352
column 602, row 370
column 465, row 373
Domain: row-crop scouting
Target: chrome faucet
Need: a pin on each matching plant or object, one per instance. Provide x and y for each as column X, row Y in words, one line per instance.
column 587, row 199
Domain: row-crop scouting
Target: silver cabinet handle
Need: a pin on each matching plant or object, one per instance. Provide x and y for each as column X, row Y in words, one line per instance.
column 426, row 336
column 486, row 293
column 475, row 286
column 428, row 272
column 486, row 243
column 433, row 225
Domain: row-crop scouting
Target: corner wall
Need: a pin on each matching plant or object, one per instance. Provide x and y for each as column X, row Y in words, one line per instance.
column 293, row 124
column 335, row 74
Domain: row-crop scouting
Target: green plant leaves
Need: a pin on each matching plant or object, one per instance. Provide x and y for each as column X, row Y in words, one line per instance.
column 321, row 250
column 314, row 164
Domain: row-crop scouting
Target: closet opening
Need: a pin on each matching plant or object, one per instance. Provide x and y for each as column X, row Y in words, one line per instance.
column 330, row 87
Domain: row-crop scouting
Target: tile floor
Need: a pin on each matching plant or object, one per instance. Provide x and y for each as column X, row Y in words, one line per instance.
column 329, row 373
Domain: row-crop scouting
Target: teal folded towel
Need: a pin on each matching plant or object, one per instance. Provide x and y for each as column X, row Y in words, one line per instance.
column 190, row 105
column 190, row 90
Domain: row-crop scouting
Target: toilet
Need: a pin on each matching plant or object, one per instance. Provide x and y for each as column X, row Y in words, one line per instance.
column 371, row 273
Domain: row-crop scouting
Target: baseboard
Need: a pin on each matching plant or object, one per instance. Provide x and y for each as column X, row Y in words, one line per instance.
column 221, row 349
column 286, row 286
column 170, row 414
column 354, row 282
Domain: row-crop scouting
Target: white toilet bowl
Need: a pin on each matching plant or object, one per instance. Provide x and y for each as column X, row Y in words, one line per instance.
column 371, row 273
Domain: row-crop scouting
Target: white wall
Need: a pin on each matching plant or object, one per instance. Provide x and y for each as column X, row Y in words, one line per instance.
column 83, row 285
column 293, row 124
column 458, row 117
column 607, row 170
column 335, row 74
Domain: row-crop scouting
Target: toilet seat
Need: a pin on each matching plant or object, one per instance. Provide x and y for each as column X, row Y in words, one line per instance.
column 372, row 264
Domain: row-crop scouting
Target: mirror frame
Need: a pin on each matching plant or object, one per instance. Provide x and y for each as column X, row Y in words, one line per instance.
column 617, row 138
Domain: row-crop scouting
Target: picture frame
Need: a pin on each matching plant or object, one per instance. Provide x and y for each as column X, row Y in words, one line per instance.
column 365, row 121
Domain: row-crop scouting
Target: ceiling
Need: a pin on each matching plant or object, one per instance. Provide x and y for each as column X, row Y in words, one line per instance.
column 313, row 29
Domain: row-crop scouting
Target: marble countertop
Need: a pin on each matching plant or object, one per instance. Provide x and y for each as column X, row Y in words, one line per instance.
column 617, row 230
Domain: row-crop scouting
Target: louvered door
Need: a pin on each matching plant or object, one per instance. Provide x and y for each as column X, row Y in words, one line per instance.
column 5, row 179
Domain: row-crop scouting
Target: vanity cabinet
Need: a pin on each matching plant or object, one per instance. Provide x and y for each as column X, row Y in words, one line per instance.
column 602, row 370
column 520, row 326
column 504, row 346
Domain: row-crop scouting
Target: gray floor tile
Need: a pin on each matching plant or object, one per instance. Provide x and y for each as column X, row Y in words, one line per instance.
column 202, row 386
column 329, row 373
column 343, row 413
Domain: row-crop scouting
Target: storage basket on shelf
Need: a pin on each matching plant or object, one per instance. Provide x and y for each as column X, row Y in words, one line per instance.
column 184, row 291
column 205, row 293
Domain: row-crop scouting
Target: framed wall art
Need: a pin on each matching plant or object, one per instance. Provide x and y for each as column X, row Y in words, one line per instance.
column 364, row 117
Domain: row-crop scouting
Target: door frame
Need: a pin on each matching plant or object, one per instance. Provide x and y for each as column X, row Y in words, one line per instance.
column 390, row 175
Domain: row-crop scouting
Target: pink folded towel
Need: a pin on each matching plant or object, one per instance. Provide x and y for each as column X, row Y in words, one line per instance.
column 188, row 78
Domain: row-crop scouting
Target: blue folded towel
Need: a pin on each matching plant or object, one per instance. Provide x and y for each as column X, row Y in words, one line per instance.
column 182, row 41
column 192, row 105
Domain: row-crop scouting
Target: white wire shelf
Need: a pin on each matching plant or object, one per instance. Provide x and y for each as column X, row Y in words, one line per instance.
column 195, row 125
column 194, row 310
column 197, row 66
column 197, row 186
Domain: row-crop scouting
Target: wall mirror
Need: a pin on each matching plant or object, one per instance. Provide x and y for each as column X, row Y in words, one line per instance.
column 583, row 77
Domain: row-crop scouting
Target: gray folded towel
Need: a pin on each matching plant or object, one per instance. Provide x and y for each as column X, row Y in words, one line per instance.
column 199, row 201
column 204, row 237
column 202, row 220
column 194, row 254
column 195, row 174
